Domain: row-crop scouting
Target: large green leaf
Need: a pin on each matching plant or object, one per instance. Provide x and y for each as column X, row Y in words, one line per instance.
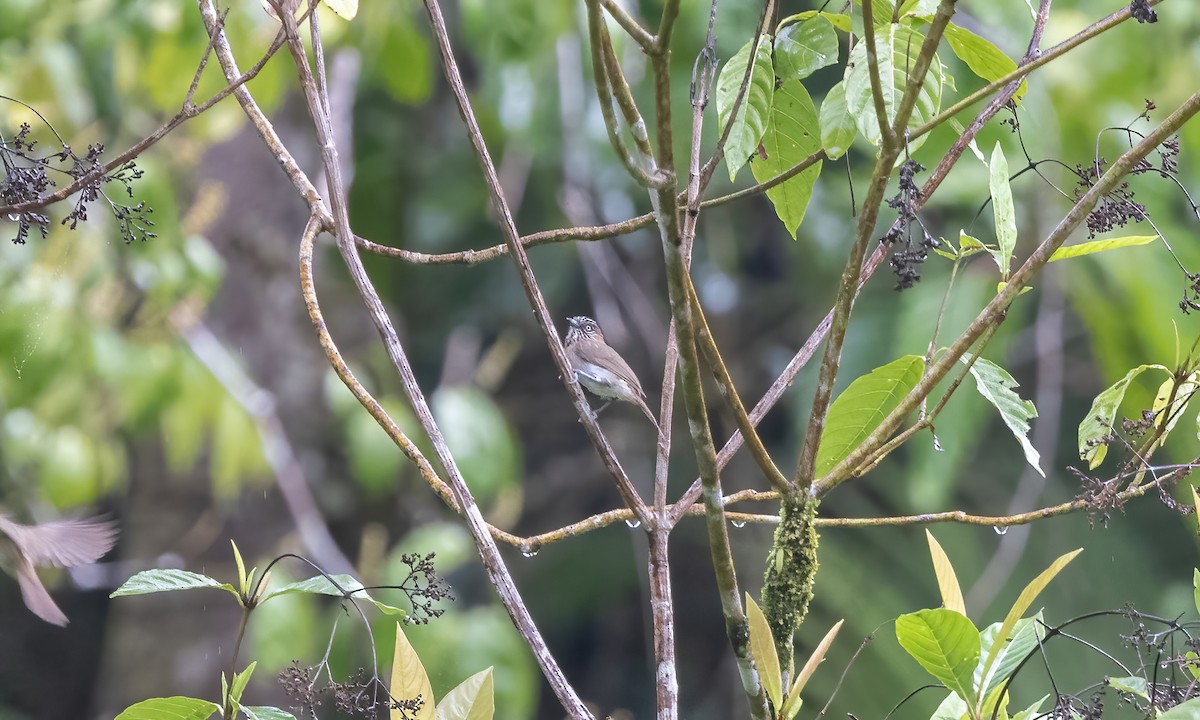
column 1004, row 213
column 1099, row 419
column 170, row 708
column 762, row 649
column 1095, row 246
column 409, row 680
column 836, row 122
column 473, row 699
column 1014, row 648
column 167, row 580
column 897, row 47
column 945, row 643
column 862, row 406
column 1189, row 710
column 792, row 135
column 985, row 59
column 995, row 384
column 751, row 120
column 804, row 47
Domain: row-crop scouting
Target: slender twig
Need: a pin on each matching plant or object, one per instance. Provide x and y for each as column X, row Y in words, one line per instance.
column 494, row 566
column 886, row 135
column 627, row 22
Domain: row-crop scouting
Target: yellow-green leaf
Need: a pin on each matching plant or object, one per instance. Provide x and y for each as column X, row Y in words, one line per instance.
column 345, row 8
column 1094, row 246
column 1099, row 420
column 409, row 680
column 952, row 598
column 751, row 120
column 1003, row 211
column 762, row 649
column 473, row 699
column 791, row 135
column 985, row 59
column 791, row 705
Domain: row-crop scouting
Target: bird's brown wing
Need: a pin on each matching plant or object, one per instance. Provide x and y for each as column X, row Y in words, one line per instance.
column 63, row 543
column 33, row 592
column 605, row 356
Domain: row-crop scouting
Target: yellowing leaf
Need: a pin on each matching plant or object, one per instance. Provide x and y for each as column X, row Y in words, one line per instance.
column 791, row 706
column 1095, row 246
column 952, row 598
column 762, row 649
column 345, row 8
column 473, row 699
column 409, row 680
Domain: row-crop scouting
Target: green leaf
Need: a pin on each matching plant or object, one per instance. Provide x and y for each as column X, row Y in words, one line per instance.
column 792, row 135
column 952, row 707
column 321, row 585
column 803, row 48
column 762, row 649
column 167, row 580
column 1099, row 419
column 897, row 47
column 473, row 699
column 862, row 406
column 985, row 59
column 1133, row 685
column 1192, row 663
column 1013, row 649
column 996, row 385
column 1024, row 600
column 945, row 643
column 952, row 598
column 238, row 686
column 170, row 708
column 1196, row 587
column 1002, row 210
column 243, row 579
column 836, row 123
column 1165, row 417
column 838, row 20
column 968, row 246
column 1032, row 710
column 751, row 120
column 1095, row 246
column 1189, row 710
column 409, row 680
column 265, row 712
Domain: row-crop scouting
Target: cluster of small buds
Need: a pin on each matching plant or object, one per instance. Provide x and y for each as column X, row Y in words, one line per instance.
column 907, row 255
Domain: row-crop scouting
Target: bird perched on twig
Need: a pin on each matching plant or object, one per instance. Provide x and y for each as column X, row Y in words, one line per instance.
column 600, row 369
column 59, row 543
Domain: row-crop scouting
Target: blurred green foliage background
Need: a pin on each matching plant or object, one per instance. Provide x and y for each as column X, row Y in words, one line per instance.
column 151, row 380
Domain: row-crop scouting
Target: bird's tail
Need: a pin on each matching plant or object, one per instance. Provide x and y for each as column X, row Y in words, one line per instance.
column 649, row 413
column 35, row 595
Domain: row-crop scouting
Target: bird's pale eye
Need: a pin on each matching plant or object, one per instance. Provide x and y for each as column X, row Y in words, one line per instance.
column 589, row 328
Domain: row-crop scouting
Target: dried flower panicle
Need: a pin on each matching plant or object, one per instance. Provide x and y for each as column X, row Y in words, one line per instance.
column 907, row 254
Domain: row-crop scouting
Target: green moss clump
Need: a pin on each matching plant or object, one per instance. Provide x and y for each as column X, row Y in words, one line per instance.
column 791, row 567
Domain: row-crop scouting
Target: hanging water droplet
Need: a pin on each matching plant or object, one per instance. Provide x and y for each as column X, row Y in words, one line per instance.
column 739, row 523
column 633, row 523
column 937, row 444
column 1000, row 530
column 529, row 551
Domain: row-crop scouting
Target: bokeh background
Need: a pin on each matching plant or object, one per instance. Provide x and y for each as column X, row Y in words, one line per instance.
column 162, row 381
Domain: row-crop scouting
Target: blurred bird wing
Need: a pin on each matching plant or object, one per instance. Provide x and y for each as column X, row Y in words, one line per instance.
column 33, row 592
column 62, row 543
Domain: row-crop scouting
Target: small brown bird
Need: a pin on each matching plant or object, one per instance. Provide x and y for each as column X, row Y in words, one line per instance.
column 60, row 543
column 600, row 369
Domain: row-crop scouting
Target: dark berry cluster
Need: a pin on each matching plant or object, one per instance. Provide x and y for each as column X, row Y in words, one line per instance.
column 907, row 254
column 424, row 587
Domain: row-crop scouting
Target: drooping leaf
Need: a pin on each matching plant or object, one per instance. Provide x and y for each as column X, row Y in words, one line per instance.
column 1133, row 685
column 321, row 585
column 952, row 598
column 1024, row 600
column 945, row 643
column 409, row 680
column 473, row 699
column 862, row 406
column 762, row 649
column 804, row 47
column 167, row 580
column 792, row 135
column 996, row 385
column 751, row 120
column 897, row 47
column 170, row 708
column 1095, row 246
column 985, row 59
column 1099, row 419
column 1002, row 210
column 837, row 125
